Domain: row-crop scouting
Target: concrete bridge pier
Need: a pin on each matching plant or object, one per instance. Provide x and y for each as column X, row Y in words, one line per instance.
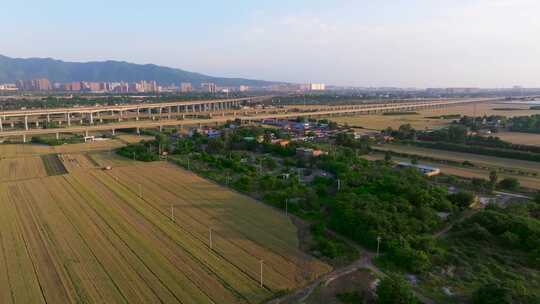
column 169, row 113
column 113, row 132
column 91, row 118
column 1, row 125
column 24, row 138
column 26, row 122
column 138, row 131
column 57, row 135
column 137, row 118
column 48, row 118
column 68, row 118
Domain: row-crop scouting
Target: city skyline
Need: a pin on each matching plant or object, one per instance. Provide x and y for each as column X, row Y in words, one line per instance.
column 417, row 43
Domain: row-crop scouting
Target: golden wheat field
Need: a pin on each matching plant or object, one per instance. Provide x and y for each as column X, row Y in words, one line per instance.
column 520, row 138
column 130, row 138
column 12, row 169
column 23, row 150
column 140, row 233
column 423, row 120
column 529, row 182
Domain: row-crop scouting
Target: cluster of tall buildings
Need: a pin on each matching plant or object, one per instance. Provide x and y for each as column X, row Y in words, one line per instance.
column 115, row 87
column 143, row 86
column 41, row 84
column 312, row 87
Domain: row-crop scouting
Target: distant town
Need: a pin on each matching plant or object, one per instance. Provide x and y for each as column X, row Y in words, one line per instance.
column 143, row 86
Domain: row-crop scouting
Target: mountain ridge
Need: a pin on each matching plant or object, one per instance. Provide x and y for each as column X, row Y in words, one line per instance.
column 13, row 69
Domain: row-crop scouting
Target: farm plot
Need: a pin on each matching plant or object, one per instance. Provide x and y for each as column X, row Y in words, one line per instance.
column 23, row 150
column 15, row 150
column 53, row 165
column 95, row 236
column 481, row 160
column 101, row 145
column 422, row 121
column 109, row 158
column 520, row 138
column 131, row 139
column 12, row 169
column 76, row 162
column 525, row 181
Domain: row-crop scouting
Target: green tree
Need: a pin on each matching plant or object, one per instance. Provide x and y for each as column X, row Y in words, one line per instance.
column 387, row 157
column 216, row 145
column 462, row 199
column 491, row 294
column 394, row 290
column 509, row 183
column 537, row 198
column 493, row 179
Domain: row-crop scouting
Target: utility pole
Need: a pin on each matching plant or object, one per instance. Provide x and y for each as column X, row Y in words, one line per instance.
column 210, row 237
column 378, row 244
column 262, row 273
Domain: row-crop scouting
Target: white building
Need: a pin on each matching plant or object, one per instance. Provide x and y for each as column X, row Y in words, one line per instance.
column 317, row 87
column 8, row 87
column 426, row 170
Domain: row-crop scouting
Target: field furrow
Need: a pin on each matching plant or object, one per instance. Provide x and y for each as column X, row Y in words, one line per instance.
column 227, row 239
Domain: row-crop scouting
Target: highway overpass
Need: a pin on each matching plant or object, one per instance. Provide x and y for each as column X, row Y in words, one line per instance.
column 182, row 120
column 95, row 114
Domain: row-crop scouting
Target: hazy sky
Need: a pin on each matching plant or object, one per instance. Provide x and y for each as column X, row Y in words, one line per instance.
column 408, row 43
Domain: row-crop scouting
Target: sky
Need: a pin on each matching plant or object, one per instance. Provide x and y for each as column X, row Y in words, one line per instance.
column 400, row 43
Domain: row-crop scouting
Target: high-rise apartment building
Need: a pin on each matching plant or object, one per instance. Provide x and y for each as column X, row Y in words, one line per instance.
column 185, row 87
column 209, row 87
column 75, row 86
column 317, row 87
column 41, row 84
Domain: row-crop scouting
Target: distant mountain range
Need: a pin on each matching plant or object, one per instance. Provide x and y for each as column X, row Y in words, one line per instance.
column 13, row 69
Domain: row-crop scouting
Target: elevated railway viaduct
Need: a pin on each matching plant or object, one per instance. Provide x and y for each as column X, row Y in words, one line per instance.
column 193, row 113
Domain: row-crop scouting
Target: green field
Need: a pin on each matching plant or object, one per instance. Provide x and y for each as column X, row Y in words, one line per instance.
column 483, row 164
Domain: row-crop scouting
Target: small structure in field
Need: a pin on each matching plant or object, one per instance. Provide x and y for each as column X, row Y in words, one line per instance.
column 426, row 170
column 307, row 152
